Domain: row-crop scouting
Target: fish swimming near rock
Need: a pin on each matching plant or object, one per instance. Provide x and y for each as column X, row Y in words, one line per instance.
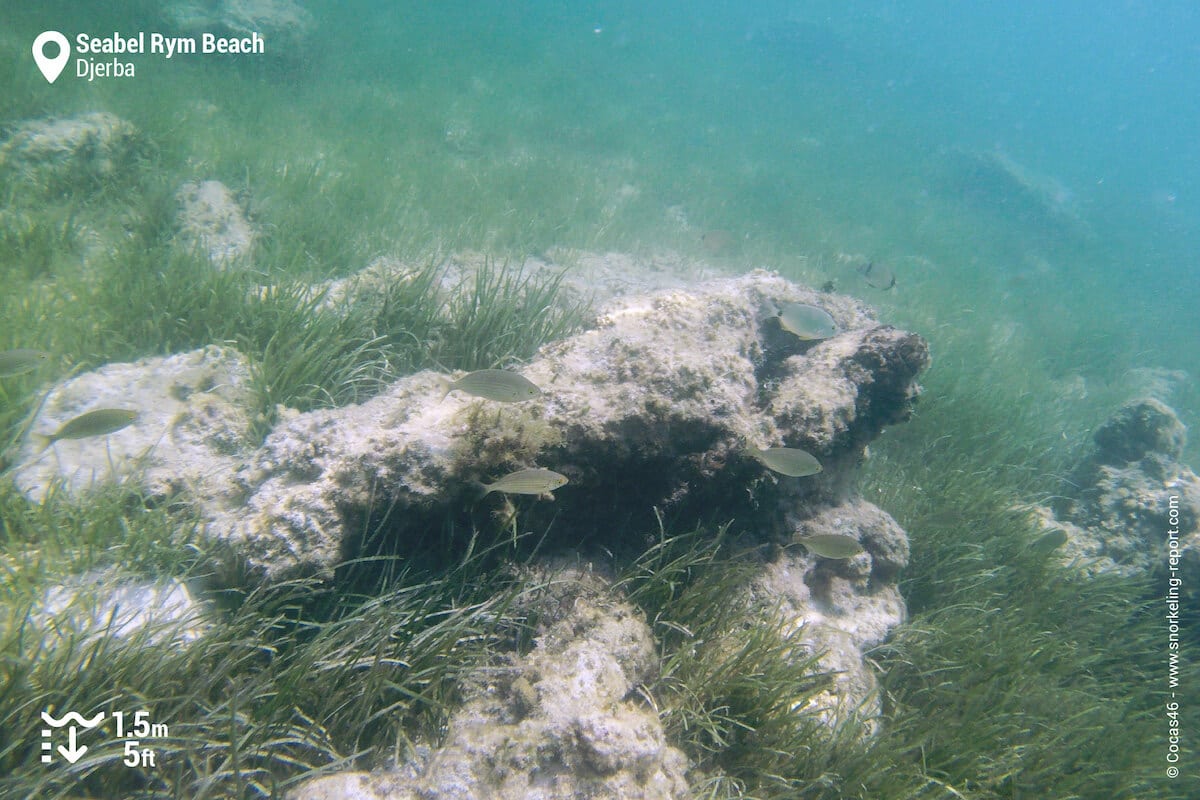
column 20, row 361
column 806, row 322
column 879, row 276
column 1047, row 543
column 100, row 422
column 500, row 385
column 831, row 545
column 525, row 481
column 790, row 461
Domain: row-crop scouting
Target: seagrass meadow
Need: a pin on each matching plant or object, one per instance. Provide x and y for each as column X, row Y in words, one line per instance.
column 1042, row 240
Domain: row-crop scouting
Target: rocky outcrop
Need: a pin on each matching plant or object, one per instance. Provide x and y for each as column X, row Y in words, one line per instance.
column 840, row 608
column 211, row 221
column 80, row 152
column 1131, row 506
column 284, row 25
column 195, row 415
column 649, row 414
column 562, row 722
column 653, row 409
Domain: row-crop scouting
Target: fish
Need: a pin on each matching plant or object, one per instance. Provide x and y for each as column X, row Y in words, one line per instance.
column 831, row 545
column 99, row 422
column 788, row 461
column 500, row 385
column 525, row 481
column 1047, row 543
column 878, row 276
column 807, row 322
column 20, row 361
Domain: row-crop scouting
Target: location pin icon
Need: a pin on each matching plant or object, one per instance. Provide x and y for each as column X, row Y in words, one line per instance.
column 51, row 67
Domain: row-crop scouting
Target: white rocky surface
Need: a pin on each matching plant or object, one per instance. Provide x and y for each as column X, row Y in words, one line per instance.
column 652, row 408
column 212, row 221
column 1122, row 502
column 105, row 604
column 561, row 722
column 840, row 608
column 194, row 420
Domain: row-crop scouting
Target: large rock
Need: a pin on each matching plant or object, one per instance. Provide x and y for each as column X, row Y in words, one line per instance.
column 562, row 722
column 1131, row 506
column 284, row 25
column 650, row 412
column 194, row 420
column 211, row 221
column 79, row 153
column 653, row 409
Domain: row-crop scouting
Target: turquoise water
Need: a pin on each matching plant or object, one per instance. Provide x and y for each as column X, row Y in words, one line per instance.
column 1030, row 171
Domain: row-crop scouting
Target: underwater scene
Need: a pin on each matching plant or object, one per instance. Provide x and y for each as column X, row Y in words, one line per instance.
column 561, row 400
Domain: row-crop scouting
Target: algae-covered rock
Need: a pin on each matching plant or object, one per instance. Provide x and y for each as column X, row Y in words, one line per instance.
column 212, row 222
column 78, row 152
column 284, row 25
column 841, row 608
column 1131, row 506
column 193, row 421
column 653, row 408
column 561, row 722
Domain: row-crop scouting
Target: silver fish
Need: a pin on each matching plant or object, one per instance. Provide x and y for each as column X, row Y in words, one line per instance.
column 525, row 481
column 831, row 545
column 100, row 422
column 789, row 461
column 880, row 276
column 20, row 361
column 500, row 385
column 807, row 322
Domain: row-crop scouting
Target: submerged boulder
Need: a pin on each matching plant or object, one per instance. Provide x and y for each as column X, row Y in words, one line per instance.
column 562, row 721
column 652, row 409
column 651, row 415
column 211, row 221
column 78, row 152
column 1132, row 506
column 194, row 417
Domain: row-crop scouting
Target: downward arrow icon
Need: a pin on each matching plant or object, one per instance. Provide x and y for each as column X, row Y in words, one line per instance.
column 72, row 753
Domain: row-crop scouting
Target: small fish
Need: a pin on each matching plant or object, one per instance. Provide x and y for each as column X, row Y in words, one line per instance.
column 788, row 461
column 525, row 481
column 807, row 322
column 99, row 422
column 492, row 384
column 1047, row 543
column 879, row 276
column 831, row 545
column 18, row 362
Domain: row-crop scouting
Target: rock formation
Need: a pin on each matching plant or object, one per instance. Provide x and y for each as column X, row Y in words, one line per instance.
column 1122, row 503
column 649, row 414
